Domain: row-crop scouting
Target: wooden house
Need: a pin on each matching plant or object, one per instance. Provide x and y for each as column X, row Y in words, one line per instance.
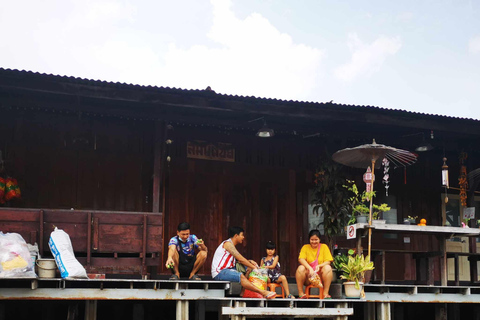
column 119, row 166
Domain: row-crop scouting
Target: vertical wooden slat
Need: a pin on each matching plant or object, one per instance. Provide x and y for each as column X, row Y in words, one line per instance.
column 292, row 228
column 157, row 166
column 89, row 239
column 41, row 232
column 95, row 233
column 144, row 246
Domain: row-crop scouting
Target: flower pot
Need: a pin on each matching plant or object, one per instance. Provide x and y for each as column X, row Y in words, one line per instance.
column 362, row 219
column 367, row 276
column 336, row 290
column 406, row 221
column 351, row 291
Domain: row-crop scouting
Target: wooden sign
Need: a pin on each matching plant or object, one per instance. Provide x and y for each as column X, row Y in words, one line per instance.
column 211, row 151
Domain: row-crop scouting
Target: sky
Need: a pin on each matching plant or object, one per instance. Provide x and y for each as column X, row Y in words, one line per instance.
column 415, row 55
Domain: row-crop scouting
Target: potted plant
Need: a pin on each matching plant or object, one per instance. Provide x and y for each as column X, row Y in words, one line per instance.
column 339, row 259
column 336, row 285
column 331, row 200
column 359, row 204
column 410, row 220
column 354, row 272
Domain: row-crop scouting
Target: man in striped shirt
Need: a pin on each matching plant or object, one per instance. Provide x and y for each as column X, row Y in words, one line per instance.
column 225, row 258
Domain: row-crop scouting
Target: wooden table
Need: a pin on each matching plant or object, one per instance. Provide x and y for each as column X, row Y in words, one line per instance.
column 442, row 234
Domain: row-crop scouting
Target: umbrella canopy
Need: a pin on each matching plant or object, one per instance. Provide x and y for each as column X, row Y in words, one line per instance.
column 367, row 155
column 363, row 156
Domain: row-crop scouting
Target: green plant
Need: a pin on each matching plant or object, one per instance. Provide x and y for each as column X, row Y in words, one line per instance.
column 359, row 203
column 330, row 199
column 412, row 219
column 354, row 269
column 340, row 258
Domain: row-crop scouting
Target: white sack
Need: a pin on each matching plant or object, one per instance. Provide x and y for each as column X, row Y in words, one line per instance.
column 62, row 250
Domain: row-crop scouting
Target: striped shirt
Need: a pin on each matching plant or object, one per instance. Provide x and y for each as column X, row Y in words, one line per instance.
column 222, row 259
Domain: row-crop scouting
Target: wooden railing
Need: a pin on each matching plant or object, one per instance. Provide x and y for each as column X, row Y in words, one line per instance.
column 111, row 242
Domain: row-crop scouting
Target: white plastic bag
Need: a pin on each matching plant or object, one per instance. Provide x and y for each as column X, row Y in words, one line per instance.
column 15, row 259
column 62, row 250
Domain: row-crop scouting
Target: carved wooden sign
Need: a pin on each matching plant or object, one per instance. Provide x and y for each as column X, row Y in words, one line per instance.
column 210, row 151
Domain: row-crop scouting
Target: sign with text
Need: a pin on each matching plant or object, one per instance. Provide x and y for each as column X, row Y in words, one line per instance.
column 351, row 232
column 211, row 151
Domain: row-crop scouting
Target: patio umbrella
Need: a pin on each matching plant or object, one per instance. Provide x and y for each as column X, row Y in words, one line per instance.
column 367, row 155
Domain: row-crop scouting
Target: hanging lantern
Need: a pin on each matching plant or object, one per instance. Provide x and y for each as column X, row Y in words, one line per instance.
column 368, row 178
column 445, row 173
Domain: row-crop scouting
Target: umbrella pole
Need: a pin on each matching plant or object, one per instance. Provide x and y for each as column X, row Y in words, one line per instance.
column 370, row 213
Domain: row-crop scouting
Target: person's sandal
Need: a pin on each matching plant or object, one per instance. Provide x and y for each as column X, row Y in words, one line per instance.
column 327, row 297
column 174, row 277
column 195, row 277
column 303, row 296
column 290, row 296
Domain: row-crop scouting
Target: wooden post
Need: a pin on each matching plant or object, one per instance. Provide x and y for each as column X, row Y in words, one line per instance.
column 158, row 164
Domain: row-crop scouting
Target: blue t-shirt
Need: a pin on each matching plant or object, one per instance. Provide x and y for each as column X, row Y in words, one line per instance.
column 188, row 246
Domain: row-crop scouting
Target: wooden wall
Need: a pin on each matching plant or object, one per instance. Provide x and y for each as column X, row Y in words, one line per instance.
column 257, row 192
column 82, row 161
column 78, row 161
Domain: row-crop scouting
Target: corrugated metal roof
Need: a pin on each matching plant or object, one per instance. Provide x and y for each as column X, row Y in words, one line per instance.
column 208, row 91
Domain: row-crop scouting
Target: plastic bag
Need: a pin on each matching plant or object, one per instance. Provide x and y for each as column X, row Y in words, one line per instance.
column 316, row 281
column 62, row 250
column 259, row 278
column 15, row 259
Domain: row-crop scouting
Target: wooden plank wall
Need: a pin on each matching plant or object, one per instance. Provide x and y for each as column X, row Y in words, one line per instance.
column 81, row 162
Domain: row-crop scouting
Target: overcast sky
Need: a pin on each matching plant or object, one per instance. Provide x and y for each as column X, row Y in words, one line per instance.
column 415, row 55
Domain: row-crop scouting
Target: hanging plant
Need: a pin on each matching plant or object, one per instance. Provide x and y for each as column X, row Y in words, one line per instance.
column 462, row 180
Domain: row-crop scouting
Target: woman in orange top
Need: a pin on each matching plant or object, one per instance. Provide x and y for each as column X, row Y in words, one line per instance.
column 308, row 254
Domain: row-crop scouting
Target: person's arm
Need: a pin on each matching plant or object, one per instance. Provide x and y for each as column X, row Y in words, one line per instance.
column 234, row 252
column 201, row 245
column 274, row 264
column 304, row 263
column 171, row 250
column 326, row 257
column 262, row 263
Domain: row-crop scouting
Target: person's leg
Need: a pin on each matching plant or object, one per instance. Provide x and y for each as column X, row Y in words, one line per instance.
column 235, row 276
column 301, row 278
column 326, row 274
column 175, row 264
column 249, row 286
column 283, row 280
column 199, row 261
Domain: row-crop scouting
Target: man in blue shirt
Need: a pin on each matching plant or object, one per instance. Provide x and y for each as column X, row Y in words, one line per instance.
column 181, row 254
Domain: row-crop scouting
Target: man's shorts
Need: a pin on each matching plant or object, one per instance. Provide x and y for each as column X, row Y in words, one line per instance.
column 185, row 266
column 231, row 275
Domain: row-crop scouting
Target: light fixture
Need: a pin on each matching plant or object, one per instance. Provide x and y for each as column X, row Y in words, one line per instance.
column 264, row 131
column 445, row 173
column 424, row 145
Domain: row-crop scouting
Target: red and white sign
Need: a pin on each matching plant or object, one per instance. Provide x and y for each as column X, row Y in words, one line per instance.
column 351, row 232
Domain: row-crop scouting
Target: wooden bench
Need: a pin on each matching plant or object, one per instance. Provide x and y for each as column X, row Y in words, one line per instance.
column 473, row 259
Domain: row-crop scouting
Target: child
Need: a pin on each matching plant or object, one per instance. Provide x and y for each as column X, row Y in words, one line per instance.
column 270, row 262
